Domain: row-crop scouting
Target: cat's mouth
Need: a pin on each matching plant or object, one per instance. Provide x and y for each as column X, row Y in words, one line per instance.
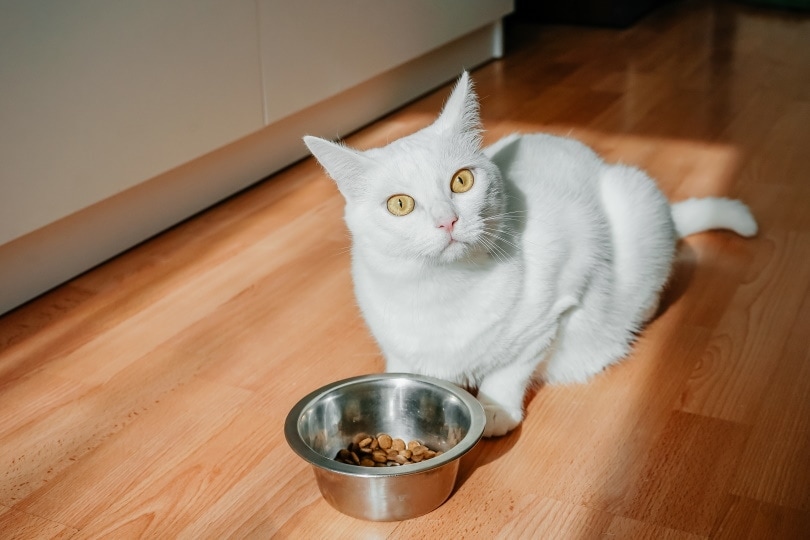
column 452, row 240
column 454, row 249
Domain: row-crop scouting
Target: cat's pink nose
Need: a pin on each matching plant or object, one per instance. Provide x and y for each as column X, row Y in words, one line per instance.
column 448, row 224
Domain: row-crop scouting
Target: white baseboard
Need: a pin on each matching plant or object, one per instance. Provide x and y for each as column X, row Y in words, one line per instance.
column 34, row 263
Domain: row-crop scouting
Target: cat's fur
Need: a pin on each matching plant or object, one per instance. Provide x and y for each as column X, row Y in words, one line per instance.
column 545, row 269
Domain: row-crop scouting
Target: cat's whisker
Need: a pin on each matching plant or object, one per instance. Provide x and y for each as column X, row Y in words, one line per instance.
column 494, row 250
column 495, row 239
column 490, row 241
column 517, row 220
column 514, row 240
column 513, row 214
column 498, row 252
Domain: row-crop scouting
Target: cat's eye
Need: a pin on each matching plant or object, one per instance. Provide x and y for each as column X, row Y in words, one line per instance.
column 400, row 205
column 462, row 181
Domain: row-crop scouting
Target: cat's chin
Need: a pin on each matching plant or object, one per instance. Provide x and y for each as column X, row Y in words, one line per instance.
column 454, row 252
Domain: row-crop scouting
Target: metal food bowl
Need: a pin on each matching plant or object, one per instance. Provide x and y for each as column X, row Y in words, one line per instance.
column 439, row 414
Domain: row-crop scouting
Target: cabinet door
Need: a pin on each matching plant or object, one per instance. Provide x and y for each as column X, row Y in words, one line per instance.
column 97, row 96
column 314, row 49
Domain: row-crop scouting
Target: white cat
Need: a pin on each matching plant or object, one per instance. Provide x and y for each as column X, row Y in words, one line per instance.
column 531, row 259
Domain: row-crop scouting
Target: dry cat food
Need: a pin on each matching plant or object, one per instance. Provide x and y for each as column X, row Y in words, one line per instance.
column 383, row 451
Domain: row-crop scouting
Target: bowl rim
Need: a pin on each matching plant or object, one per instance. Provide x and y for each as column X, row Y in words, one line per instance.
column 467, row 443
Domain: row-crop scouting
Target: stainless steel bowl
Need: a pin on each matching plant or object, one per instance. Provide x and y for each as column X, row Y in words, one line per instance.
column 439, row 414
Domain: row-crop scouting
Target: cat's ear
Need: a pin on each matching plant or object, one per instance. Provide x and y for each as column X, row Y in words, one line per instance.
column 460, row 114
column 346, row 166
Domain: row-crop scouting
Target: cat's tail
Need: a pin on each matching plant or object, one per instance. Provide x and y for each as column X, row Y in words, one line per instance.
column 697, row 215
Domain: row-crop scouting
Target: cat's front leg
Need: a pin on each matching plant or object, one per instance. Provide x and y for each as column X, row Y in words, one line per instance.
column 501, row 393
column 393, row 365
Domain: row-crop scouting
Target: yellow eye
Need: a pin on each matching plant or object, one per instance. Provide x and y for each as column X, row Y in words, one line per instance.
column 400, row 205
column 462, row 181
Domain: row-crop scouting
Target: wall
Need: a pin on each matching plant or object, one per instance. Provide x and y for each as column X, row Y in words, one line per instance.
column 120, row 123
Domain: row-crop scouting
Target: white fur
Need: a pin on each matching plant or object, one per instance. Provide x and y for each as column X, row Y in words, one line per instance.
column 697, row 215
column 556, row 261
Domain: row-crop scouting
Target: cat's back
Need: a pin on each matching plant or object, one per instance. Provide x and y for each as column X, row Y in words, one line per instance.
column 546, row 162
column 551, row 171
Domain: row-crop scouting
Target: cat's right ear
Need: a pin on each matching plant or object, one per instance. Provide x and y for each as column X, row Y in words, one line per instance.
column 346, row 166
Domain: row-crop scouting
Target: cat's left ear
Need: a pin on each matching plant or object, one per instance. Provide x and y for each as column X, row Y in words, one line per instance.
column 460, row 114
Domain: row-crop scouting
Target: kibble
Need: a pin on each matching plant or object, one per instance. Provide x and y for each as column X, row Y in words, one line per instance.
column 385, row 441
column 384, row 451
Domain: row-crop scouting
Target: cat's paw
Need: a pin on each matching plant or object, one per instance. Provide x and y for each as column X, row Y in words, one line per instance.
column 500, row 420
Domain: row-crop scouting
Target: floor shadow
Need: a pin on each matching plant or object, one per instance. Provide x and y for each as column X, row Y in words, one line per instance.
column 485, row 452
column 492, row 449
column 683, row 268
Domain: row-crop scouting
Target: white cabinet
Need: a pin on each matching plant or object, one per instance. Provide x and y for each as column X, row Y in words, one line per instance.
column 97, row 96
column 314, row 49
column 120, row 119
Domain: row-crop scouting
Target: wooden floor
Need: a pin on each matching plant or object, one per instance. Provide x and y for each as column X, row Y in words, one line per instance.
column 147, row 397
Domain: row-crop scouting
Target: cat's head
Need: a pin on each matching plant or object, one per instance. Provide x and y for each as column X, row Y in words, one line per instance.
column 430, row 196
